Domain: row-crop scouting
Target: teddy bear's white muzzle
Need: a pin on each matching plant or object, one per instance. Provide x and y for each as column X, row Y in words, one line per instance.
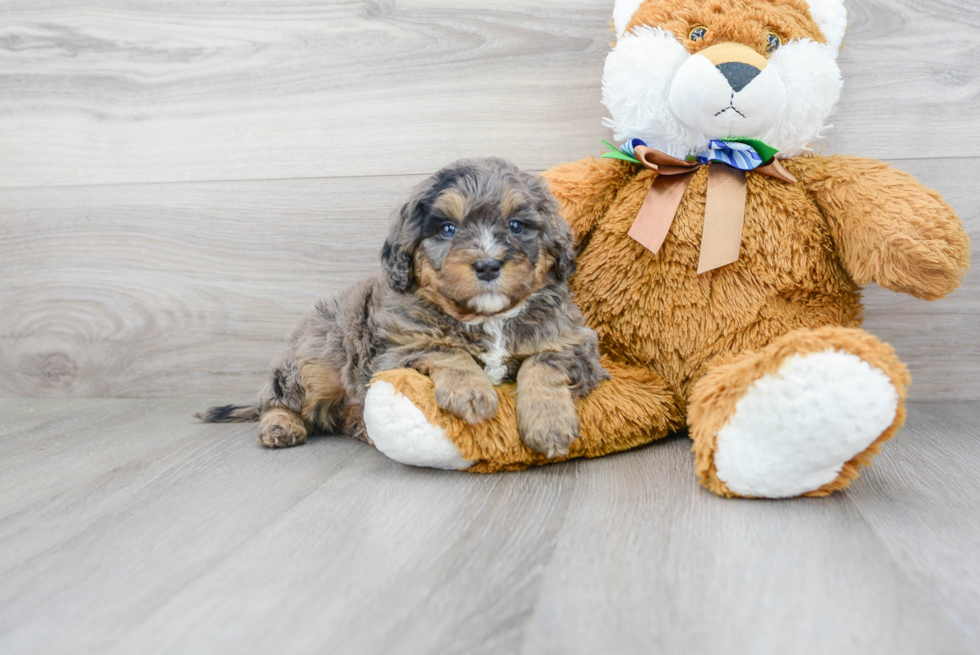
column 727, row 100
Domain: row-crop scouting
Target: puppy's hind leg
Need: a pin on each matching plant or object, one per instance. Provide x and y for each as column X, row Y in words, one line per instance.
column 281, row 428
column 281, row 424
column 323, row 405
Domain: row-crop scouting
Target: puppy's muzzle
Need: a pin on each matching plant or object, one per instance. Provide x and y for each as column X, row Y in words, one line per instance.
column 487, row 270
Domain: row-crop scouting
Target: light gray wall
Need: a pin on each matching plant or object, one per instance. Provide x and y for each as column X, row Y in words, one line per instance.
column 180, row 180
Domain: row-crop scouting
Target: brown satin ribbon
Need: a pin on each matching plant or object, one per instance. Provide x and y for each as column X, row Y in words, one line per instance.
column 724, row 212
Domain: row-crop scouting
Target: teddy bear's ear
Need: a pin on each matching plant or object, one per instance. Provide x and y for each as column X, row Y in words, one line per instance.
column 831, row 16
column 623, row 12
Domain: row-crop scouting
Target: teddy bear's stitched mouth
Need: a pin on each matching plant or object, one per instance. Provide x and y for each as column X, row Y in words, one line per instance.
column 731, row 106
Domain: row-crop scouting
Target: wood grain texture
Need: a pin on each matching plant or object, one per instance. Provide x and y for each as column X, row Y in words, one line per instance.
column 174, row 290
column 180, row 290
column 128, row 528
column 114, row 91
column 920, row 499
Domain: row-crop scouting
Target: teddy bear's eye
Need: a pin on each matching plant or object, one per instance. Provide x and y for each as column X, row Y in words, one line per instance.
column 773, row 42
column 698, row 33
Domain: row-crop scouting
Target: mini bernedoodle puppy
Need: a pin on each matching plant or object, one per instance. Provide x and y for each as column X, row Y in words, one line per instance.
column 474, row 291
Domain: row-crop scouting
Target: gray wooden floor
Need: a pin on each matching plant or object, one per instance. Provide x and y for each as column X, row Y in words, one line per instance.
column 125, row 527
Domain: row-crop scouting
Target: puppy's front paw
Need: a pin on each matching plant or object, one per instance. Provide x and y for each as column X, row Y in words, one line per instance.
column 471, row 398
column 280, row 428
column 548, row 425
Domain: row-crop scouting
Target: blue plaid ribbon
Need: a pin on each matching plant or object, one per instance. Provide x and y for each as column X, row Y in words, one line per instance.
column 630, row 145
column 732, row 153
column 737, row 155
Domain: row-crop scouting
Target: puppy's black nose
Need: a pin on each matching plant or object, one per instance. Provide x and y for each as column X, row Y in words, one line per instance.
column 738, row 74
column 487, row 269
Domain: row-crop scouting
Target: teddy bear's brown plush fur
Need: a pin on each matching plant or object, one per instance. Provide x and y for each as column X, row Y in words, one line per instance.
column 683, row 348
column 703, row 339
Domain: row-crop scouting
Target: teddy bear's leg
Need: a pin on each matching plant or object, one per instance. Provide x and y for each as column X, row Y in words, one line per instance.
column 798, row 417
column 403, row 420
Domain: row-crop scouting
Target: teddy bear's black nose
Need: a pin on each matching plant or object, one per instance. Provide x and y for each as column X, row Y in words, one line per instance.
column 487, row 269
column 738, row 74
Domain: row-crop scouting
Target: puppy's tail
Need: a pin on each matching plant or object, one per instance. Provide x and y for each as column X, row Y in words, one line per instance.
column 230, row 414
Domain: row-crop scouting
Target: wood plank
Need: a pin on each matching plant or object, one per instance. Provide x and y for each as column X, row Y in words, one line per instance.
column 244, row 548
column 174, row 290
column 407, row 561
column 94, row 536
column 224, row 90
column 920, row 498
column 663, row 566
column 94, row 445
column 50, row 446
column 212, row 544
column 191, row 289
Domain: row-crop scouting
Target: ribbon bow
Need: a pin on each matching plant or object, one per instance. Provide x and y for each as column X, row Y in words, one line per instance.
column 724, row 212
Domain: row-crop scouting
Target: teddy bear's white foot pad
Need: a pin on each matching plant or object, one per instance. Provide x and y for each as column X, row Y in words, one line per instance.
column 793, row 430
column 400, row 430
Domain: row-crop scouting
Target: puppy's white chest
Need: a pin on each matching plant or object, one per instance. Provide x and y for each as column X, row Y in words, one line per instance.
column 493, row 359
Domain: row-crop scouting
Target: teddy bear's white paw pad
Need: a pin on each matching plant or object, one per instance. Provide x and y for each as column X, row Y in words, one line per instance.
column 793, row 430
column 400, row 430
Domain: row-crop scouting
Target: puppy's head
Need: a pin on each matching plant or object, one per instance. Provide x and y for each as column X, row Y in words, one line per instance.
column 477, row 238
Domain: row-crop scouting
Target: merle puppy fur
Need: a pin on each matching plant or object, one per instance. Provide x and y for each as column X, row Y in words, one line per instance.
column 474, row 291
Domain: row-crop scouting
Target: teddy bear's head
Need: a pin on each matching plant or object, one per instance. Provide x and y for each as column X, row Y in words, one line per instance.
column 685, row 72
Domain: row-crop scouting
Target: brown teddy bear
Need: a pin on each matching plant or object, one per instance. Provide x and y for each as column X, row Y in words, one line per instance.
column 721, row 262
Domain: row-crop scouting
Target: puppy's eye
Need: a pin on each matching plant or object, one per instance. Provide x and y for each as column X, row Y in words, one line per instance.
column 698, row 33
column 516, row 227
column 447, row 231
column 773, row 42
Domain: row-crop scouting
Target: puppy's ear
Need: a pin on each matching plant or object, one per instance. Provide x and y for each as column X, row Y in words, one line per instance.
column 556, row 238
column 404, row 236
column 399, row 251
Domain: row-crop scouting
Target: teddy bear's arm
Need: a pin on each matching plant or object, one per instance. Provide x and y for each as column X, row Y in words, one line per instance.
column 888, row 227
column 585, row 189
